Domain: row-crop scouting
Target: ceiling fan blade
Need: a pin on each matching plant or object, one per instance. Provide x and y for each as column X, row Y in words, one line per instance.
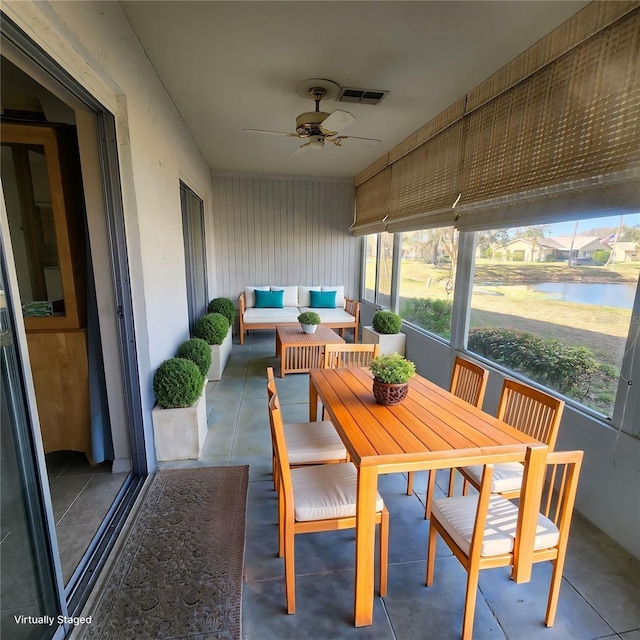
column 301, row 149
column 336, row 121
column 275, row 133
column 338, row 139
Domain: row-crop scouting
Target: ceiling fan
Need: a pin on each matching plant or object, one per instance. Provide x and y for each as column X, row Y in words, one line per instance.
column 319, row 126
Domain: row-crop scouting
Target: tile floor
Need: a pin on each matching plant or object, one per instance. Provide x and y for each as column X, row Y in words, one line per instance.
column 81, row 495
column 599, row 596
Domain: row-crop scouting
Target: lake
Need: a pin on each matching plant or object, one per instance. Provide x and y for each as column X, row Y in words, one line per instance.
column 608, row 295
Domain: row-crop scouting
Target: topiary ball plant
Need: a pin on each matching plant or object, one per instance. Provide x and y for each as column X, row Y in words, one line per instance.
column 309, row 317
column 223, row 306
column 386, row 322
column 392, row 369
column 212, row 328
column 198, row 351
column 177, row 383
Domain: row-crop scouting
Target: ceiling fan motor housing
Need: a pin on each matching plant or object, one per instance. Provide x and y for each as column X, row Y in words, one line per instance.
column 308, row 124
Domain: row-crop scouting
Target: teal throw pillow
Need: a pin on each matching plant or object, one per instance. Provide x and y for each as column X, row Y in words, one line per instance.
column 323, row 299
column 269, row 299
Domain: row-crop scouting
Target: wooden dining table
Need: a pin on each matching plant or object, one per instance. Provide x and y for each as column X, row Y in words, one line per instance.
column 430, row 429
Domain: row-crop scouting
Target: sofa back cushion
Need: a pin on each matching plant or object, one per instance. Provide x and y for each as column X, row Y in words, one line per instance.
column 269, row 299
column 290, row 298
column 339, row 295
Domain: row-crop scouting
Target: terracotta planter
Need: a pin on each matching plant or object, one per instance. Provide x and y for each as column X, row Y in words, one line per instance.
column 390, row 394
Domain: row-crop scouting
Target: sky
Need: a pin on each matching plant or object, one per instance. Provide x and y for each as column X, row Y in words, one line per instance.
column 566, row 228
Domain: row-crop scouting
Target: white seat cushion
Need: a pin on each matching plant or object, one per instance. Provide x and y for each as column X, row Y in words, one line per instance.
column 313, row 442
column 457, row 516
column 326, row 491
column 331, row 315
column 269, row 315
column 506, row 477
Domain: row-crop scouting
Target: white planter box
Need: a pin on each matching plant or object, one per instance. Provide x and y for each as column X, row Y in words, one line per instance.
column 219, row 355
column 388, row 342
column 179, row 433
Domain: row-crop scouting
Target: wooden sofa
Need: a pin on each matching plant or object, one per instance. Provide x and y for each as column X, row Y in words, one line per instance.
column 296, row 299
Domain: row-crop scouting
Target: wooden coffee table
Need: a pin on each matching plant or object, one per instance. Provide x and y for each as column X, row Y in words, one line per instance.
column 300, row 352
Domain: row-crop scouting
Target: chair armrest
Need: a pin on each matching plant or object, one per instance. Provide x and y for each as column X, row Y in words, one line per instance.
column 242, row 304
column 352, row 307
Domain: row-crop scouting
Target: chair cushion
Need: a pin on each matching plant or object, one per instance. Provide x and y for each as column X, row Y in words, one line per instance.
column 269, row 299
column 313, row 442
column 457, row 516
column 326, row 491
column 271, row 316
column 506, row 477
column 323, row 299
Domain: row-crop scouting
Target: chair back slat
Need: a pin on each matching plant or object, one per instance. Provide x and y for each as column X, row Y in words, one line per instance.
column 339, row 356
column 469, row 381
column 280, row 448
column 531, row 411
column 561, row 482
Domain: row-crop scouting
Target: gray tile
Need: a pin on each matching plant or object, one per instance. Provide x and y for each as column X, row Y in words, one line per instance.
column 73, row 541
column 614, row 593
column 64, row 492
column 631, row 635
column 94, row 501
column 521, row 608
column 417, row 612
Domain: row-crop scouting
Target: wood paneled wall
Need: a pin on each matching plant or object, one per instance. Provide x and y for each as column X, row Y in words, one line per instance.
column 283, row 231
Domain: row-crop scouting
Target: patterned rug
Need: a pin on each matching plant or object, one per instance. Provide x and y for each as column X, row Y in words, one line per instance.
column 179, row 574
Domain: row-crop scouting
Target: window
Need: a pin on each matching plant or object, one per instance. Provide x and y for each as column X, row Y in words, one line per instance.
column 554, row 302
column 378, row 269
column 427, row 269
column 370, row 264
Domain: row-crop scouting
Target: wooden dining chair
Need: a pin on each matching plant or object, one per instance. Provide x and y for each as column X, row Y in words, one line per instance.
column 485, row 530
column 317, row 498
column 469, row 383
column 348, row 355
column 308, row 442
column 531, row 411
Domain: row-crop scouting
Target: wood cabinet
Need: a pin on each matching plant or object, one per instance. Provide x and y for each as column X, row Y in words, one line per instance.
column 42, row 185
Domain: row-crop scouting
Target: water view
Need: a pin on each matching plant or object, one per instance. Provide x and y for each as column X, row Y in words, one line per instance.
column 619, row 295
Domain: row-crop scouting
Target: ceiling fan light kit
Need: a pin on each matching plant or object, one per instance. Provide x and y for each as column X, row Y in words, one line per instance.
column 317, row 126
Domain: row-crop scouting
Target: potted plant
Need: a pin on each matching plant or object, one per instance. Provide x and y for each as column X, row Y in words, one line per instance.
column 385, row 332
column 309, row 321
column 391, row 374
column 198, row 351
column 180, row 417
column 223, row 306
column 215, row 330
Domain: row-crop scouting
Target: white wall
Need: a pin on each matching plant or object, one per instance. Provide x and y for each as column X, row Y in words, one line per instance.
column 284, row 231
column 94, row 43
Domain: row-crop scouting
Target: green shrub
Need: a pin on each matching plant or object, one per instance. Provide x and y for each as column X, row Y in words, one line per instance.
column 223, row 306
column 392, row 369
column 431, row 314
column 386, row 322
column 600, row 256
column 198, row 351
column 565, row 368
column 212, row 328
column 177, row 383
column 309, row 317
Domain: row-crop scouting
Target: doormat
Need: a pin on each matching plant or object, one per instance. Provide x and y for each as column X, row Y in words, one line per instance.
column 179, row 573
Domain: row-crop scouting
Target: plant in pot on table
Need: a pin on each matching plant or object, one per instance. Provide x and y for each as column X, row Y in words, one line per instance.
column 309, row 321
column 391, row 374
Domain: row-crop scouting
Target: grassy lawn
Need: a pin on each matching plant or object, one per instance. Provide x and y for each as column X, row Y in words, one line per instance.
column 502, row 299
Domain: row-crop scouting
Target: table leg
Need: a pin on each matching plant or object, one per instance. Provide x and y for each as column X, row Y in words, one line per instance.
column 365, row 545
column 313, row 401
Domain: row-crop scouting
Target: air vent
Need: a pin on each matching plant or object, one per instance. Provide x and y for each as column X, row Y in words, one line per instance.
column 363, row 96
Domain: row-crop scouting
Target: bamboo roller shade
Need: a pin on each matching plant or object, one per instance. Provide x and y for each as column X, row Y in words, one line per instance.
column 563, row 113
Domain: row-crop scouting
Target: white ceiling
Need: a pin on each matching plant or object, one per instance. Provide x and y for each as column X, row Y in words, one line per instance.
column 234, row 65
